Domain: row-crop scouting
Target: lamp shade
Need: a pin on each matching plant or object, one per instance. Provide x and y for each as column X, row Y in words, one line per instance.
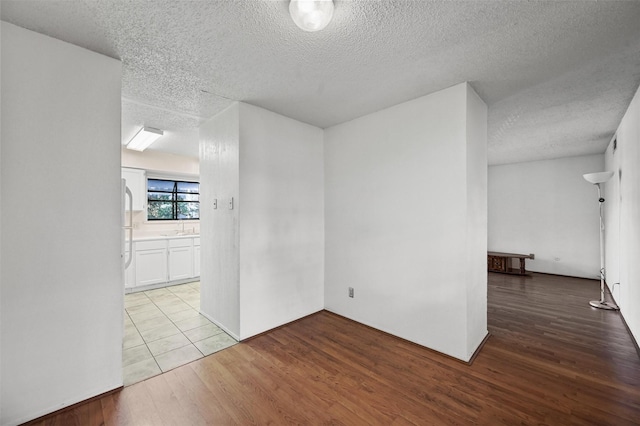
column 596, row 178
column 311, row 15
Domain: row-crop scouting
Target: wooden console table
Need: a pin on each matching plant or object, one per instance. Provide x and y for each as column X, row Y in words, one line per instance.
column 501, row 262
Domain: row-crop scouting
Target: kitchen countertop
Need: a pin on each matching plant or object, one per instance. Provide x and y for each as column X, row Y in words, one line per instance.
column 165, row 237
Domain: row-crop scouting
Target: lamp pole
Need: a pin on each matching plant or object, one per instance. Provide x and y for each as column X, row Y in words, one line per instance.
column 602, row 303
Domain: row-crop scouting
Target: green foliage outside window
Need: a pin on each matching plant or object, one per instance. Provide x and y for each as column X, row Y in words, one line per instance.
column 173, row 200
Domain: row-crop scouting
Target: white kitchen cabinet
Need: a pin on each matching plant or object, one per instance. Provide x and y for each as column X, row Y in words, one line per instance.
column 196, row 257
column 163, row 261
column 180, row 259
column 151, row 262
column 137, row 183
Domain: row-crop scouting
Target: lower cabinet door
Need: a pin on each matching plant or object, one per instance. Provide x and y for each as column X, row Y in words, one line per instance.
column 180, row 263
column 151, row 266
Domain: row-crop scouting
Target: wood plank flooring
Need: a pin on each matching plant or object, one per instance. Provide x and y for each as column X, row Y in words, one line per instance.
column 551, row 359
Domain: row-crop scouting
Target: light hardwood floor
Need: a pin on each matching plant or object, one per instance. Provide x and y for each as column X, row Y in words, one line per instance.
column 551, row 359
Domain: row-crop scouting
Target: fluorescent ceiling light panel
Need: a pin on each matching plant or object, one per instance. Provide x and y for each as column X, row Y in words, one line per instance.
column 145, row 137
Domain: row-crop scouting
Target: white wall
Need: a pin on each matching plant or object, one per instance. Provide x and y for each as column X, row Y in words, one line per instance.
column 160, row 162
column 219, row 233
column 62, row 294
column 612, row 216
column 281, row 220
column 547, row 208
column 263, row 260
column 476, row 269
column 622, row 216
column 397, row 195
column 0, row 221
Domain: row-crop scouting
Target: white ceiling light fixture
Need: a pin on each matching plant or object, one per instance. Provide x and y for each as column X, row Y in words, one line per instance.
column 145, row 137
column 311, row 15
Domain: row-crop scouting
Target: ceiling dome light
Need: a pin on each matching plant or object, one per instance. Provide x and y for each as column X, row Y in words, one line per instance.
column 311, row 15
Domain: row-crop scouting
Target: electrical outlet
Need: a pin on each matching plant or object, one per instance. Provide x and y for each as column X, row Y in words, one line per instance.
column 350, row 291
column 231, row 203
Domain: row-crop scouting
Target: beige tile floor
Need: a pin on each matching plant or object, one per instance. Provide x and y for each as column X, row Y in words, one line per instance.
column 163, row 329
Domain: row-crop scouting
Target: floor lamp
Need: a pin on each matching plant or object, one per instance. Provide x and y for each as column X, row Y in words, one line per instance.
column 598, row 179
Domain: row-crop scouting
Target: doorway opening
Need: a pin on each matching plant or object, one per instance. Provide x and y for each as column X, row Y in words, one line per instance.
column 163, row 327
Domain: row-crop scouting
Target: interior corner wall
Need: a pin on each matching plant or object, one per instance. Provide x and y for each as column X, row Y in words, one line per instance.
column 396, row 219
column 622, row 217
column 281, row 220
column 219, row 225
column 548, row 209
column 476, row 247
column 262, row 253
column 0, row 226
column 612, row 205
column 62, row 293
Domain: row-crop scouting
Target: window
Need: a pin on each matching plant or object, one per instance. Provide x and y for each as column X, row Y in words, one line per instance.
column 173, row 200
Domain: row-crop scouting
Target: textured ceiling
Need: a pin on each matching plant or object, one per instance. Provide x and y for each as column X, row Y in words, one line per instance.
column 557, row 76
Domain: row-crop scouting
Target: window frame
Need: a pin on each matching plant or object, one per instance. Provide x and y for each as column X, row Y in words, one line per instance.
column 174, row 198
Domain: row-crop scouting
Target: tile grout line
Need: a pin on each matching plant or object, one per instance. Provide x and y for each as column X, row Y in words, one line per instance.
column 172, row 322
column 165, row 315
column 144, row 341
column 185, row 336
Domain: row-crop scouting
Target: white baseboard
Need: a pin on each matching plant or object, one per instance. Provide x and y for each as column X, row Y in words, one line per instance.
column 225, row 329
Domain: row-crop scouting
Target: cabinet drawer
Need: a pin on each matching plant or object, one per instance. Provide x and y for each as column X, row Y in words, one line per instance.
column 150, row 245
column 181, row 242
column 196, row 241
